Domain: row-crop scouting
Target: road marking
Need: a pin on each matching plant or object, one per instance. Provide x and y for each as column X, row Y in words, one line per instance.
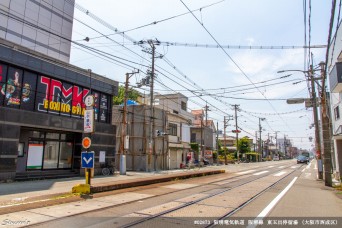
column 280, row 167
column 271, row 166
column 303, row 170
column 245, row 172
column 259, row 173
column 293, row 167
column 273, row 203
column 279, row 174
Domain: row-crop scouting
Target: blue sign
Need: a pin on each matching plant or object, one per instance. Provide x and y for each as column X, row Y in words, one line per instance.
column 87, row 160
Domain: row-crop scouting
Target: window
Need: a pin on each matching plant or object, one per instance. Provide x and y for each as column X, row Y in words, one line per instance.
column 183, row 105
column 175, row 112
column 337, row 113
column 193, row 137
column 173, row 129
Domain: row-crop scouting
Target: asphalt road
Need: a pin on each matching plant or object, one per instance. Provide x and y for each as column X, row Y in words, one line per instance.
column 268, row 190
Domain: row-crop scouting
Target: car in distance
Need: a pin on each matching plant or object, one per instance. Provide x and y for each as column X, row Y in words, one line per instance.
column 302, row 159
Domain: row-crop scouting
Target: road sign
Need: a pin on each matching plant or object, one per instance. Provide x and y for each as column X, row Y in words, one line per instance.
column 88, row 121
column 87, row 160
column 236, row 131
column 86, row 142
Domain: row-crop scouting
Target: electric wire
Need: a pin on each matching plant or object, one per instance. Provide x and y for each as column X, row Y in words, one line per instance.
column 235, row 63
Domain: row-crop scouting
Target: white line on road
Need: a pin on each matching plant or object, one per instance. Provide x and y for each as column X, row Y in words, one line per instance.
column 245, row 172
column 293, row 167
column 271, row 166
column 279, row 174
column 274, row 202
column 303, row 170
column 280, row 167
column 259, row 173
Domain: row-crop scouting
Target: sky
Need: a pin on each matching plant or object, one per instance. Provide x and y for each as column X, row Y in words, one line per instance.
column 218, row 77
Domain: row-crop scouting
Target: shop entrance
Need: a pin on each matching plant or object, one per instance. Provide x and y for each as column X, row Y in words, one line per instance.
column 46, row 150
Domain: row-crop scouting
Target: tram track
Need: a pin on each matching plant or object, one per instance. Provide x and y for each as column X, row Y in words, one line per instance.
column 136, row 223
column 230, row 183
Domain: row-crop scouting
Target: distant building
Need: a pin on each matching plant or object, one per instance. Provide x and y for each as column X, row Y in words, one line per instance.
column 203, row 132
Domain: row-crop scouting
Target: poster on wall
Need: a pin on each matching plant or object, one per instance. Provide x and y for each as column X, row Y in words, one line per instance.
column 102, row 157
column 35, row 156
column 103, row 108
column 28, row 91
column 96, row 104
column 11, row 89
column 3, row 71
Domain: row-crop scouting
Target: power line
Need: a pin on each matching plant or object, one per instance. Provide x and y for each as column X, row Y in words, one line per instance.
column 235, row 63
column 166, row 43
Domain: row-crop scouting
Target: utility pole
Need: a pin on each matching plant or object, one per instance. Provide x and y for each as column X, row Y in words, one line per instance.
column 206, row 109
column 317, row 136
column 260, row 149
column 217, row 134
column 225, row 125
column 326, row 132
column 237, row 132
column 285, row 144
column 150, row 152
column 276, row 138
column 123, row 128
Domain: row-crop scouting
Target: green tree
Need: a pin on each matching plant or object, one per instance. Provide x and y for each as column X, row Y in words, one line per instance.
column 243, row 145
column 119, row 99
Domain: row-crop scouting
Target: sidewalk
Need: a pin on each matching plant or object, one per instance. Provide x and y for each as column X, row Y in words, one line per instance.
column 18, row 196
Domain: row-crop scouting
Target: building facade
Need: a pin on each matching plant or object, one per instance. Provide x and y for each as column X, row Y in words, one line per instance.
column 179, row 122
column 41, row 113
column 203, row 132
column 138, row 156
column 42, row 26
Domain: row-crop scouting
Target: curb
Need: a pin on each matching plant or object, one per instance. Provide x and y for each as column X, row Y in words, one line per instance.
column 148, row 181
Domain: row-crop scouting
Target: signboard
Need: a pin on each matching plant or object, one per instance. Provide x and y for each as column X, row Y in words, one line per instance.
column 126, row 143
column 236, row 131
column 35, row 156
column 102, row 158
column 87, row 160
column 208, row 154
column 88, row 121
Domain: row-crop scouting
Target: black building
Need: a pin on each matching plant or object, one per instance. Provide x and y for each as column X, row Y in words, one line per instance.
column 41, row 113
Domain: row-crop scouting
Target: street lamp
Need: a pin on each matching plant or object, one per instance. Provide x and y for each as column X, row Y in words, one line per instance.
column 310, row 77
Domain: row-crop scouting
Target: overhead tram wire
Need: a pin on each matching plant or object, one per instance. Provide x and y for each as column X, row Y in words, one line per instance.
column 261, row 47
column 123, row 34
column 111, row 27
column 149, row 24
column 132, row 40
column 235, row 63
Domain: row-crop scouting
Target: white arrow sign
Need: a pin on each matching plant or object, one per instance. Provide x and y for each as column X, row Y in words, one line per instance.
column 87, row 161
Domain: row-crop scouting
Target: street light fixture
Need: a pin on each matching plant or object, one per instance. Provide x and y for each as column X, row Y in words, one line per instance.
column 310, row 77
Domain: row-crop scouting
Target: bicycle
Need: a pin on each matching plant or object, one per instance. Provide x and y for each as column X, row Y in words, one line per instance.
column 193, row 166
column 108, row 169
